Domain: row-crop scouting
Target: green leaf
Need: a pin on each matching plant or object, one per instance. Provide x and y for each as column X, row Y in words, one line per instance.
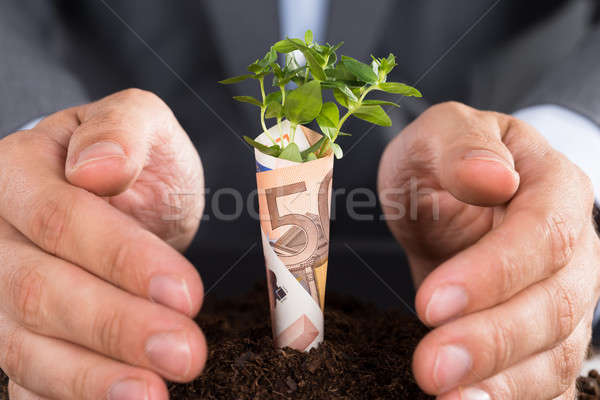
column 270, row 151
column 273, row 103
column 248, row 99
column 337, row 150
column 269, row 58
column 273, row 97
column 375, row 65
column 310, row 157
column 284, row 46
column 380, row 103
column 255, row 67
column 332, row 59
column 308, row 36
column 291, row 152
column 341, row 73
column 362, row 71
column 399, row 88
column 274, row 110
column 340, row 97
column 350, row 95
column 314, row 147
column 277, row 70
column 344, row 134
column 314, row 60
column 337, row 46
column 387, row 64
column 328, row 118
column 304, row 103
column 373, row 114
column 261, row 67
column 235, row 79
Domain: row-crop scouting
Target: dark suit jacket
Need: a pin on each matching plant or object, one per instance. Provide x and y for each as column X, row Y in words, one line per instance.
column 60, row 53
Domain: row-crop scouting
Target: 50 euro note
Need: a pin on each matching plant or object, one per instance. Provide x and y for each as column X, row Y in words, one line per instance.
column 294, row 205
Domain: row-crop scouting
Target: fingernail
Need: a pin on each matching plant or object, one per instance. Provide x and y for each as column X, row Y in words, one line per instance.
column 172, row 292
column 451, row 365
column 487, row 155
column 170, row 352
column 98, row 151
column 474, row 394
column 445, row 303
column 129, row 389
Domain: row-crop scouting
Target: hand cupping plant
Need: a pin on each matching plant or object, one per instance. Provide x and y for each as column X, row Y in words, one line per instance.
column 350, row 81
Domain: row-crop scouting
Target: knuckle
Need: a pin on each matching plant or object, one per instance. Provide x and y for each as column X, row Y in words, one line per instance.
column 26, row 287
column 510, row 276
column 507, row 387
column 567, row 364
column 107, row 329
column 136, row 95
column 563, row 305
column 454, row 106
column 81, row 383
column 502, row 335
column 50, row 219
column 450, row 108
column 562, row 238
column 12, row 355
column 120, row 265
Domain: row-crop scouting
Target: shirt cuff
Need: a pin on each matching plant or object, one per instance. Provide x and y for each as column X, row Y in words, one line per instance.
column 31, row 124
column 574, row 135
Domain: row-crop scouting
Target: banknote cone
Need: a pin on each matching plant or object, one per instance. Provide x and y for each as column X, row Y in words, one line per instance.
column 294, row 205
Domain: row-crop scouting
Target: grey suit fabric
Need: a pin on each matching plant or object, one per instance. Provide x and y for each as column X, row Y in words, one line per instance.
column 33, row 77
column 54, row 54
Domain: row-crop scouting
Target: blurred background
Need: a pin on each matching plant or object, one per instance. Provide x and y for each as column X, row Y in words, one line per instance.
column 489, row 54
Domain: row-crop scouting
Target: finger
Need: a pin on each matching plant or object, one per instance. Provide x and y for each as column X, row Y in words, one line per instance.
column 458, row 149
column 547, row 375
column 80, row 227
column 536, row 237
column 60, row 370
column 16, row 392
column 113, row 139
column 39, row 291
column 482, row 344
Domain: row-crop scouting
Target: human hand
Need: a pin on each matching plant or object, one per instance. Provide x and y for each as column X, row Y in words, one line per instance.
column 95, row 299
column 508, row 274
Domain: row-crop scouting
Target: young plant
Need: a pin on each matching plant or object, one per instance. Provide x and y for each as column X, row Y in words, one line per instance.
column 350, row 81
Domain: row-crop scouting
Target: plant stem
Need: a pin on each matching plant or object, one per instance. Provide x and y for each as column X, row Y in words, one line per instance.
column 292, row 131
column 263, row 109
column 264, row 126
column 282, row 89
column 351, row 110
column 261, row 81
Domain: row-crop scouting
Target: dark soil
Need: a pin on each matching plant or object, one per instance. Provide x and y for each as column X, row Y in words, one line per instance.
column 366, row 355
column 589, row 386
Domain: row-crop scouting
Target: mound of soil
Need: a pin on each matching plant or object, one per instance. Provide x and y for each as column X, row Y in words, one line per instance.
column 366, row 355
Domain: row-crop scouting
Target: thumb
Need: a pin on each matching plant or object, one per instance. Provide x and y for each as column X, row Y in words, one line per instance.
column 475, row 166
column 109, row 149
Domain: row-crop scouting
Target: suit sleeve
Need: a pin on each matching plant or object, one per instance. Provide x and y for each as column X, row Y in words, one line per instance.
column 34, row 78
column 574, row 83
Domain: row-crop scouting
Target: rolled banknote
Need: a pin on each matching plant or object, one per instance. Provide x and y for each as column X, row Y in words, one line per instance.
column 294, row 204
